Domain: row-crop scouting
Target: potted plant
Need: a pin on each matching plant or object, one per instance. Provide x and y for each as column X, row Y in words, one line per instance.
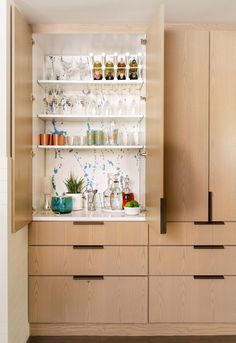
column 75, row 189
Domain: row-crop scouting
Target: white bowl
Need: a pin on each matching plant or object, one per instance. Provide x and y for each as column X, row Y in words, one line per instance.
column 132, row 211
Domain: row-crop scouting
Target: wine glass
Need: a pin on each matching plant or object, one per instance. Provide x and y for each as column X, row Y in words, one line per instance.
column 107, row 108
column 134, row 108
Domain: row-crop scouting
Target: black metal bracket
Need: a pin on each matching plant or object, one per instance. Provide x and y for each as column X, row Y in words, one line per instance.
column 210, row 212
column 163, row 216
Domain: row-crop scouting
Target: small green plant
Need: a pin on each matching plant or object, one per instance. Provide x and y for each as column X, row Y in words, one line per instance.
column 73, row 185
column 132, row 203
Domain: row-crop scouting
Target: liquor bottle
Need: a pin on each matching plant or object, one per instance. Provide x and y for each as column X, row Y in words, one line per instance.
column 107, row 193
column 116, row 195
column 109, row 71
column 121, row 69
column 127, row 194
column 97, row 70
column 133, row 69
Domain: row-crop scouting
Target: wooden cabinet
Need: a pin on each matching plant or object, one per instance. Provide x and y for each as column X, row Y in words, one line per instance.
column 186, row 124
column 107, row 300
column 223, row 124
column 90, row 233
column 21, row 122
column 183, row 299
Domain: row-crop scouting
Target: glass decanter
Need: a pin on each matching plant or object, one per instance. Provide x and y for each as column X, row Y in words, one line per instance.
column 116, row 195
column 107, row 193
column 127, row 194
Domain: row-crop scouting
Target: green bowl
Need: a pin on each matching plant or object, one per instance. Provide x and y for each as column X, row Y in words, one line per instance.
column 61, row 204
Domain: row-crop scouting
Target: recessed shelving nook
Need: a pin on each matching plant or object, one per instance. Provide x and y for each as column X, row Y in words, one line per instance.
column 70, row 101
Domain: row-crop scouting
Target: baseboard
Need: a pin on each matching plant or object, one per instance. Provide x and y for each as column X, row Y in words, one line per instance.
column 199, row 329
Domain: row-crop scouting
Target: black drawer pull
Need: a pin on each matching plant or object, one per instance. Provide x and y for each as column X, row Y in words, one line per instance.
column 208, row 247
column 88, row 223
column 88, row 246
column 88, row 277
column 207, row 277
column 218, row 222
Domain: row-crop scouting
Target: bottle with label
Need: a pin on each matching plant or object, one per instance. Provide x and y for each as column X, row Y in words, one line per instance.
column 121, row 69
column 133, row 69
column 109, row 71
column 107, row 193
column 97, row 70
column 116, row 195
column 127, row 194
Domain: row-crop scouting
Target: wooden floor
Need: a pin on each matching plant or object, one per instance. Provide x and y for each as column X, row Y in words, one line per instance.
column 185, row 339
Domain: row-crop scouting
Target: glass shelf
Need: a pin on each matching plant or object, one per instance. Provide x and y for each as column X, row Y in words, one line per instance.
column 78, row 84
column 74, row 117
column 90, row 147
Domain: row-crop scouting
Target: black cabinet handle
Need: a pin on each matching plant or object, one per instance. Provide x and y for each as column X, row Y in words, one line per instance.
column 88, row 246
column 208, row 247
column 210, row 214
column 87, row 277
column 207, row 277
column 88, row 223
column 163, row 216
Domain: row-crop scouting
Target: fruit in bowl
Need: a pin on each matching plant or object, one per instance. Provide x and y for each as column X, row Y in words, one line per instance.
column 132, row 208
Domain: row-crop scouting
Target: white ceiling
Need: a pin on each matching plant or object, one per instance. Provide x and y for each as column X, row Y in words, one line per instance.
column 127, row 11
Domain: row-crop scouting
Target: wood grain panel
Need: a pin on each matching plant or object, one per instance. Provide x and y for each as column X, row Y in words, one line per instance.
column 64, row 300
column 182, row 299
column 186, row 125
column 67, row 233
column 21, row 121
column 186, row 260
column 155, row 117
column 115, row 260
column 222, row 125
column 190, row 234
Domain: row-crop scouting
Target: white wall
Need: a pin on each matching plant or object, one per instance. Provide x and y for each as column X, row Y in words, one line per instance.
column 14, row 326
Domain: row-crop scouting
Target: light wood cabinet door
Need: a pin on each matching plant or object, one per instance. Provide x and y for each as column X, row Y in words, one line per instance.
column 80, row 260
column 21, row 122
column 183, row 299
column 155, row 117
column 90, row 233
column 186, row 125
column 192, row 260
column 223, row 125
column 109, row 300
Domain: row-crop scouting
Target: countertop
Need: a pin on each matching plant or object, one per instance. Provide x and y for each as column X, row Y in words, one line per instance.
column 84, row 215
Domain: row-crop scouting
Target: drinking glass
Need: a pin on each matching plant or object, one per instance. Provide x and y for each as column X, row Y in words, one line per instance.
column 67, row 64
column 134, row 108
column 121, row 107
column 107, row 108
column 91, row 108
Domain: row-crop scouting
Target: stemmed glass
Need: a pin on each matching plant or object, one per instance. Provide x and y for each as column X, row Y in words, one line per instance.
column 107, row 108
column 67, row 64
column 134, row 108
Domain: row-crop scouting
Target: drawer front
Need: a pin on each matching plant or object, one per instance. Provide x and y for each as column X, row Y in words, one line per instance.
column 105, row 233
column 190, row 260
column 183, row 299
column 108, row 300
column 93, row 260
column 190, row 234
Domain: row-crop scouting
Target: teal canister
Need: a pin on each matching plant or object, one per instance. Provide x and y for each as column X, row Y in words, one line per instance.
column 98, row 137
column 90, row 137
column 61, row 204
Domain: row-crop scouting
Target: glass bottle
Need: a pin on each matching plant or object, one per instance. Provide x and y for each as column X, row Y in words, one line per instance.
column 109, row 71
column 133, row 69
column 107, row 193
column 97, row 70
column 127, row 194
column 121, row 70
column 116, row 195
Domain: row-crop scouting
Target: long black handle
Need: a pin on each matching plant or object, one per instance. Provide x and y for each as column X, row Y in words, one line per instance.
column 87, row 277
column 210, row 214
column 163, row 216
column 208, row 247
column 88, row 223
column 207, row 277
column 88, row 246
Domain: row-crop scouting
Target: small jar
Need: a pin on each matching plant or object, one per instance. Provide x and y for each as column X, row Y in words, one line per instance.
column 90, row 137
column 98, row 137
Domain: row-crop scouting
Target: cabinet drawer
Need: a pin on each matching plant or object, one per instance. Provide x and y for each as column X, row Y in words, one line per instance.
column 183, row 299
column 105, row 233
column 190, row 234
column 190, row 260
column 93, row 260
column 107, row 300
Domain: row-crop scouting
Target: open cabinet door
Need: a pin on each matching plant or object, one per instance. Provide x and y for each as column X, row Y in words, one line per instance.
column 155, row 122
column 21, row 121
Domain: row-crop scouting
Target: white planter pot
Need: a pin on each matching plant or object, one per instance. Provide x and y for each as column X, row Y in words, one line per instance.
column 77, row 201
